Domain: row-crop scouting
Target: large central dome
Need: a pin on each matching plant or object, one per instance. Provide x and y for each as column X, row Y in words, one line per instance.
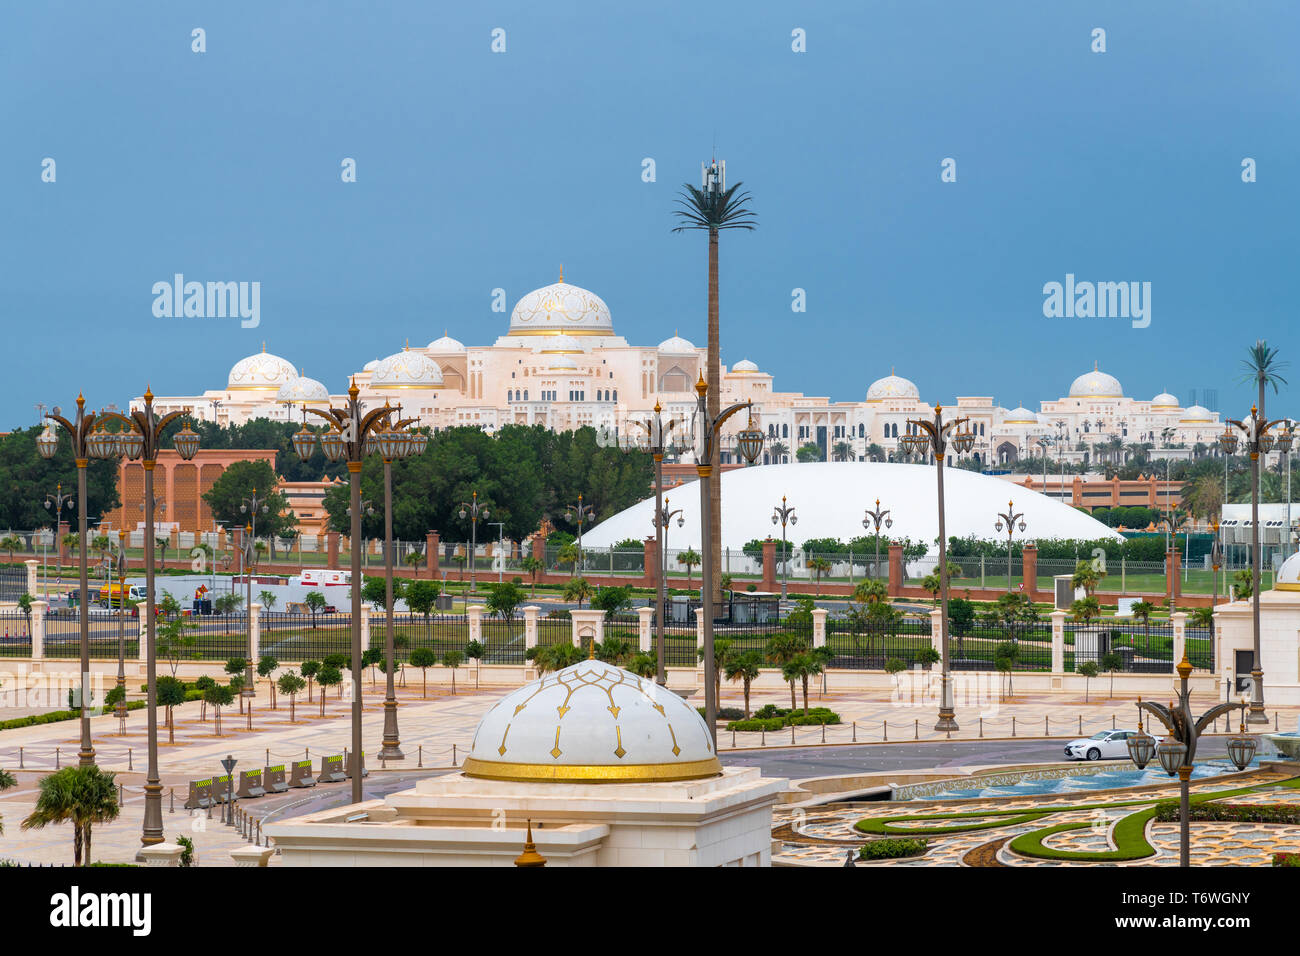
column 561, row 309
column 1095, row 384
column 592, row 723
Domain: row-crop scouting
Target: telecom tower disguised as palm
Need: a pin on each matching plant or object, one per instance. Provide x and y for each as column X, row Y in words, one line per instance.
column 714, row 207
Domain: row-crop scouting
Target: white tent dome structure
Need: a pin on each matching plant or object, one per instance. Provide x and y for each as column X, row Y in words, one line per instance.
column 829, row 499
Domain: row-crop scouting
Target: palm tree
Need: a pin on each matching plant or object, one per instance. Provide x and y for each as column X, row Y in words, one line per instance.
column 1203, row 496
column 1086, row 576
column 162, row 543
column 577, row 589
column 1262, row 366
column 841, row 451
column 745, row 668
column 803, row 667
column 82, row 796
column 714, row 208
column 721, row 651
column 532, row 566
column 778, row 451
column 690, row 557
column 819, row 566
column 781, row 650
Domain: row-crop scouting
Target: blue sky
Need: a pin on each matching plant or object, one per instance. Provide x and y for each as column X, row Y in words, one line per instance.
column 478, row 170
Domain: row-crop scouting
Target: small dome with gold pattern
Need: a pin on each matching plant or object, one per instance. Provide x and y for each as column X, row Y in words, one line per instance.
column 561, row 307
column 592, row 723
column 261, row 370
column 407, row 369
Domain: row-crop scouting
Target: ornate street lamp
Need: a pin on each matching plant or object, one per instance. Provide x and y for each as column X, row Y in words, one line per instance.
column 933, row 436
column 79, row 432
column 121, row 627
column 141, row 438
column 346, row 440
column 873, row 520
column 707, row 433
column 253, row 507
column 473, row 510
column 1177, row 752
column 784, row 514
column 658, row 441
column 578, row 513
column 1010, row 517
column 1258, row 440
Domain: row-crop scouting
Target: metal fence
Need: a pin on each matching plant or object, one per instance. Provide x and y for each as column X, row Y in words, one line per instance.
column 1200, row 647
column 13, row 583
column 295, row 636
column 979, row 646
column 15, row 635
column 868, row 646
column 1123, row 648
column 504, row 642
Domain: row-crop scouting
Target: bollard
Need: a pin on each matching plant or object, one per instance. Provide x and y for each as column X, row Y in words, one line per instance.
column 1081, row 725
column 306, row 753
column 119, row 794
column 1112, row 721
column 129, row 752
column 268, row 755
column 733, row 738
column 209, row 809
column 1275, row 721
column 56, row 758
column 420, row 754
column 763, row 739
column 884, row 730
column 1013, row 726
column 981, row 726
column 855, row 731
column 792, row 734
column 171, row 799
column 916, row 730
column 1046, row 732
column 453, row 755
column 20, row 758
column 823, row 731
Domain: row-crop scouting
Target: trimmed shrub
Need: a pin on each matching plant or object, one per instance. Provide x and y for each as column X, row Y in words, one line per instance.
column 893, row 849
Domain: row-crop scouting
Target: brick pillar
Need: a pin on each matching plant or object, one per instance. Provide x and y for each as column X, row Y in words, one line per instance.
column 769, row 565
column 1029, row 569
column 895, row 569
column 332, row 549
column 432, row 545
column 237, row 546
column 539, row 549
column 651, row 573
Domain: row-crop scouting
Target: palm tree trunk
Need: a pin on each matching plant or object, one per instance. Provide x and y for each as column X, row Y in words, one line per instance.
column 89, row 857
column 714, row 378
column 793, row 705
column 747, row 700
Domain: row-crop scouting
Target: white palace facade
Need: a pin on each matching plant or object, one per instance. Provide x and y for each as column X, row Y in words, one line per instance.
column 561, row 365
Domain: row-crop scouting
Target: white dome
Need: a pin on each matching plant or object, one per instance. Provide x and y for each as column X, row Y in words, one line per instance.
column 560, row 363
column 262, row 371
column 1288, row 575
column 592, row 723
column 561, row 308
column 677, row 346
column 1020, row 416
column 1197, row 415
column 1164, row 401
column 302, row 389
column 829, row 498
column 370, row 366
column 558, row 345
column 1096, row 384
column 445, row 345
column 407, row 369
column 744, row 367
column 892, row 386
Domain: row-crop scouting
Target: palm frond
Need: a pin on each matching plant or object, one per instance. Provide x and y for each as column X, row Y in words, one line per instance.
column 1262, row 364
column 714, row 211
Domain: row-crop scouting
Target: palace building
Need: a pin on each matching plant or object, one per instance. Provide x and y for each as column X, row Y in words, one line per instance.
column 561, row 364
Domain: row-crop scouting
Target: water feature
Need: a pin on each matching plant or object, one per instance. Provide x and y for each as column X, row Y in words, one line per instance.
column 1287, row 744
column 1068, row 781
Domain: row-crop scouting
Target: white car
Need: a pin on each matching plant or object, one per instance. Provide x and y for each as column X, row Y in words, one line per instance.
column 1106, row 745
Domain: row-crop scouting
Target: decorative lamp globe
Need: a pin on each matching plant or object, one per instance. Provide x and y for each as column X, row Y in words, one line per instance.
column 889, row 522
column 132, row 443
column 1241, row 749
column 1171, row 753
column 419, row 442
column 998, row 526
column 101, row 443
column 304, row 443
column 47, row 443
column 1141, row 748
column 1228, row 442
column 332, row 444
column 775, row 519
column 749, row 442
column 794, row 519
column 186, row 442
column 1285, row 440
column 388, row 443
column 1022, row 526
column 462, row 515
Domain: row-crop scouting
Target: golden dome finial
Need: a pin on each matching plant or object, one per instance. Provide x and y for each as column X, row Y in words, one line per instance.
column 702, row 386
column 263, row 346
column 530, row 856
column 561, row 273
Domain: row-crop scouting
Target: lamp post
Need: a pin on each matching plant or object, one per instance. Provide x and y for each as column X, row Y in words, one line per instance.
column 58, row 500
column 875, row 519
column 86, row 444
column 141, row 438
column 663, row 517
column 784, row 514
column 1216, row 558
column 658, row 441
column 707, row 432
column 933, row 436
column 349, row 439
column 251, row 506
column 1177, row 751
column 474, row 510
column 1258, row 440
column 579, row 513
column 121, row 626
column 1043, row 443
column 1010, row 518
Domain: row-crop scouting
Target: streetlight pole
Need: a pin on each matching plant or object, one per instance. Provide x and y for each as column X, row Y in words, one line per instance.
column 501, row 541
column 141, row 438
column 1178, row 750
column 933, row 436
column 579, row 513
column 473, row 509
column 58, row 499
column 750, row 445
column 874, row 519
column 657, row 442
column 1010, row 517
column 121, row 625
column 1258, row 440
column 784, row 514
column 85, row 446
column 1216, row 559
column 250, row 506
column 350, row 439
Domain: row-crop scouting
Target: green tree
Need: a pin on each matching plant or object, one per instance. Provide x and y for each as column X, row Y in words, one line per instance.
column 424, row 658
column 643, row 665
column 1261, row 368
column 309, row 670
column 721, row 650
column 82, row 796
column 781, row 650
column 241, row 480
column 691, row 558
column 744, row 667
column 819, row 566
column 219, row 695
column 809, row 451
column 169, row 692
column 894, row 667
column 452, row 660
column 173, row 634
column 802, row 667
column 316, row 604
column 611, row 600
column 328, row 676
column 267, row 598
column 1087, row 576
column 1085, row 609
column 1111, row 663
column 503, row 600
column 1007, row 652
column 577, row 589
column 421, row 598
column 11, row 543
column 291, row 686
column 1089, row 670
column 266, row 666
column 554, row 657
